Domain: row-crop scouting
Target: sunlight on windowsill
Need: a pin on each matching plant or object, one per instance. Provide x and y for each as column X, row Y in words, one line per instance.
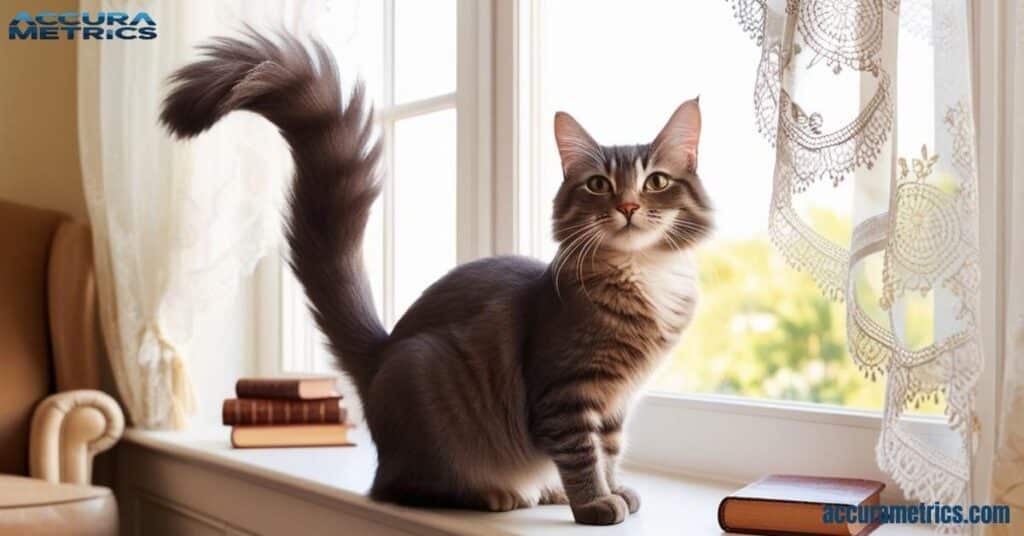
column 671, row 504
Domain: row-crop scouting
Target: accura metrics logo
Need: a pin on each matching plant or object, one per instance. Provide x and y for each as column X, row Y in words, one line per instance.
column 104, row 25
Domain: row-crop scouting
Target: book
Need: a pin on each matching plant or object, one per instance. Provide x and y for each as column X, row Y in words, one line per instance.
column 308, row 388
column 268, row 411
column 782, row 505
column 290, row 435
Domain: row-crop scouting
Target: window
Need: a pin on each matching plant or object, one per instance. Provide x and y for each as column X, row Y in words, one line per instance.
column 763, row 329
column 404, row 51
column 465, row 93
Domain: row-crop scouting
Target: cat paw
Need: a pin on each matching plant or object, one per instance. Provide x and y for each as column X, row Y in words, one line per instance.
column 629, row 495
column 553, row 496
column 504, row 501
column 606, row 510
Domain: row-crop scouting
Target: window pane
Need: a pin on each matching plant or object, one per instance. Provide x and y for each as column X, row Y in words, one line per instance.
column 425, row 55
column 424, row 203
column 762, row 329
column 373, row 254
column 354, row 30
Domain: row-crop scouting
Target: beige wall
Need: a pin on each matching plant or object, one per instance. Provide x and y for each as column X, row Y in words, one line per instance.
column 39, row 118
column 39, row 165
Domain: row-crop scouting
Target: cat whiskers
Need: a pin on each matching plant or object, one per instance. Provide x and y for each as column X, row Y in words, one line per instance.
column 672, row 241
column 575, row 228
column 691, row 225
column 655, row 217
column 686, row 231
column 563, row 259
column 590, row 248
column 681, row 240
column 573, row 243
column 687, row 235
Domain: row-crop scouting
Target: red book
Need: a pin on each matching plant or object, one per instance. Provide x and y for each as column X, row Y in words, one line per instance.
column 781, row 505
column 287, row 388
column 264, row 411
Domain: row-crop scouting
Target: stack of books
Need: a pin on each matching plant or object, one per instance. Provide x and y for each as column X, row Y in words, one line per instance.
column 286, row 412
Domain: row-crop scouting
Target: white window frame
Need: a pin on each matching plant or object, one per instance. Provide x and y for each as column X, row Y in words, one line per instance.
column 717, row 437
column 738, row 439
column 289, row 341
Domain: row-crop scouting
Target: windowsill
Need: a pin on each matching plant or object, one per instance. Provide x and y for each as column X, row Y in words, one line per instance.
column 342, row 475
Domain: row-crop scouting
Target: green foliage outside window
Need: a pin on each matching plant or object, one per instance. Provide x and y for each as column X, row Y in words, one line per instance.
column 764, row 330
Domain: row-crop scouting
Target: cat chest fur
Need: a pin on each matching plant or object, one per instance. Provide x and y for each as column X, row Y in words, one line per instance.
column 651, row 298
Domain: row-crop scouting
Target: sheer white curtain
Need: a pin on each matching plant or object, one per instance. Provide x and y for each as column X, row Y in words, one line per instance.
column 176, row 225
column 1008, row 473
column 878, row 93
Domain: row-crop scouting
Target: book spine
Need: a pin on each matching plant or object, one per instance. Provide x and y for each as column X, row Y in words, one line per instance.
column 258, row 412
column 721, row 515
column 283, row 389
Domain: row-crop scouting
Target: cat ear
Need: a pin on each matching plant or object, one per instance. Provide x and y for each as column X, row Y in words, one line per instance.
column 676, row 144
column 574, row 144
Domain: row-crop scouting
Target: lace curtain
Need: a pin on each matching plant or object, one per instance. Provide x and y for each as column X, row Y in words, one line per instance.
column 871, row 100
column 175, row 225
column 1008, row 472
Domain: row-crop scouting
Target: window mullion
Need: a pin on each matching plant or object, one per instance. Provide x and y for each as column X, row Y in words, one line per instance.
column 388, row 129
column 474, row 171
column 505, row 128
column 529, row 210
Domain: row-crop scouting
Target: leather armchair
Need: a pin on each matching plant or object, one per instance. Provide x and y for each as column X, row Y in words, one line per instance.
column 53, row 418
column 68, row 429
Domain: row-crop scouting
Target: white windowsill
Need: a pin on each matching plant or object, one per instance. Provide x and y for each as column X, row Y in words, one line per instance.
column 671, row 504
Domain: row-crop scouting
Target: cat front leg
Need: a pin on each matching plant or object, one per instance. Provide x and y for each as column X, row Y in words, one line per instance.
column 611, row 445
column 554, row 496
column 569, row 438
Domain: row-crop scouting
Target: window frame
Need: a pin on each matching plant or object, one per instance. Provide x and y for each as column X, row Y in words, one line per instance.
column 717, row 437
column 711, row 436
column 288, row 339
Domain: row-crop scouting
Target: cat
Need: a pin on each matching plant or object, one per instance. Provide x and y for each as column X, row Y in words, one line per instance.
column 507, row 383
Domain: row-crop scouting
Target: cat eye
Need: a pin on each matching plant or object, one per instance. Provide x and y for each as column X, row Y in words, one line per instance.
column 656, row 182
column 598, row 185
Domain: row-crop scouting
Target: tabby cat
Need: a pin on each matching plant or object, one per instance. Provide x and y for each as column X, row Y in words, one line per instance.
column 507, row 383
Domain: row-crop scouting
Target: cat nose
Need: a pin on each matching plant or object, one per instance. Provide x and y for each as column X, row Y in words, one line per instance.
column 627, row 209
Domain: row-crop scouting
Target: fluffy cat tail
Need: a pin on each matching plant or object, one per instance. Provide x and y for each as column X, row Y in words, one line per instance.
column 335, row 170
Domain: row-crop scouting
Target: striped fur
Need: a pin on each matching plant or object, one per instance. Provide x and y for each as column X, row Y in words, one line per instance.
column 508, row 382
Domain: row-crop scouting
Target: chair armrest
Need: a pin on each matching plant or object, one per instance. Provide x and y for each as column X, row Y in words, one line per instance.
column 68, row 429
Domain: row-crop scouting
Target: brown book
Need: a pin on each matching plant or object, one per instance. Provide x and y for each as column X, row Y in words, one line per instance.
column 290, row 435
column 783, row 505
column 287, row 388
column 268, row 411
